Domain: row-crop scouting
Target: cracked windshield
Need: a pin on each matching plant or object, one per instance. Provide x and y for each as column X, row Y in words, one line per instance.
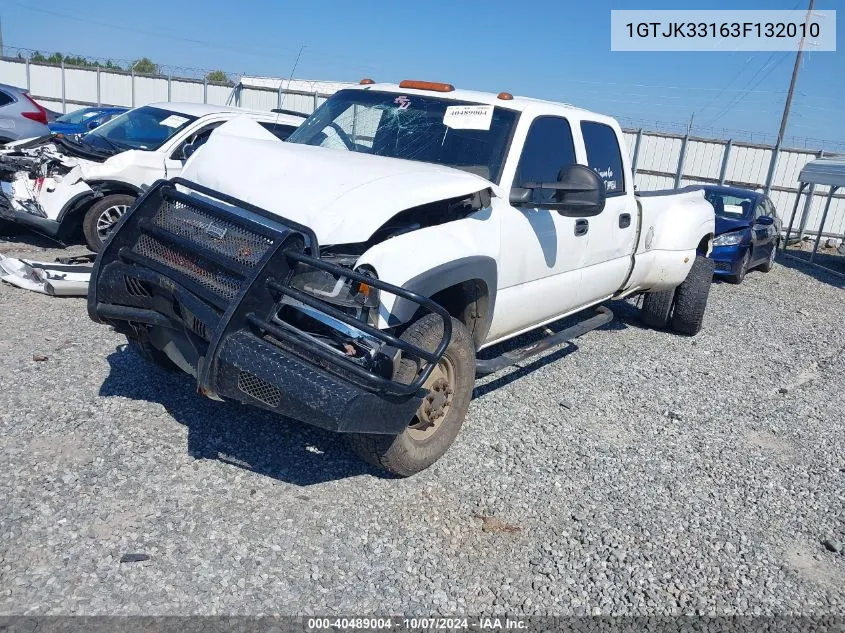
column 471, row 137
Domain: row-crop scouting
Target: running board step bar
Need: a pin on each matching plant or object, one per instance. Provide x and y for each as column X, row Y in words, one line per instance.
column 484, row 367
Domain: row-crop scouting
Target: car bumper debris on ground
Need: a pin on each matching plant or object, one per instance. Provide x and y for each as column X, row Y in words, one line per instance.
column 641, row 474
column 50, row 278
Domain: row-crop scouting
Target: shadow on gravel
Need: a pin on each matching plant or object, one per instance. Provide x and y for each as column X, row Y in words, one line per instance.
column 19, row 235
column 836, row 262
column 246, row 437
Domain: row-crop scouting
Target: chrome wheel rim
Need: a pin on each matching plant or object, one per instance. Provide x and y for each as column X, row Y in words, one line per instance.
column 437, row 403
column 108, row 218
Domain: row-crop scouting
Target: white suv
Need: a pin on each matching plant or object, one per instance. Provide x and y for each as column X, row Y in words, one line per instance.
column 55, row 185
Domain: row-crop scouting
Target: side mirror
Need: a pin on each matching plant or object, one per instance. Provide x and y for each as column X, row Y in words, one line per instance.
column 188, row 149
column 578, row 191
column 765, row 220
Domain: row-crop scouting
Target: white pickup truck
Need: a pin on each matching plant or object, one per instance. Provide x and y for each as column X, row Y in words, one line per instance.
column 348, row 277
column 54, row 184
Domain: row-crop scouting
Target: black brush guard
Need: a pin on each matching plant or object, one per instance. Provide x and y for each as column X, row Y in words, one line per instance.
column 200, row 275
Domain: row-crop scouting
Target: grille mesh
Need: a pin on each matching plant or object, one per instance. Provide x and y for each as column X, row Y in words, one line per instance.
column 209, row 275
column 220, row 236
column 259, row 389
column 726, row 266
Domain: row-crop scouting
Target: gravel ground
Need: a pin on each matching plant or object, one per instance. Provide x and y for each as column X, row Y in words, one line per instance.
column 643, row 473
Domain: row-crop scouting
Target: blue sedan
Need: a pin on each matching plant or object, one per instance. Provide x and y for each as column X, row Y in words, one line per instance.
column 84, row 120
column 747, row 231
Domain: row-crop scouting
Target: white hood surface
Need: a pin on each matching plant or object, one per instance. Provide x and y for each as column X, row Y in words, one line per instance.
column 343, row 196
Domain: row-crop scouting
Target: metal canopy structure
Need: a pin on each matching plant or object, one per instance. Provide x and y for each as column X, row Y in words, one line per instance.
column 822, row 171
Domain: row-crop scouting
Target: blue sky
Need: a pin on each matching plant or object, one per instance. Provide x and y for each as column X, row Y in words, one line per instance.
column 557, row 49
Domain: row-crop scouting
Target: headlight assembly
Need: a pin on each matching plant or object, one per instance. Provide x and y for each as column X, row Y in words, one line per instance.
column 338, row 291
column 729, row 239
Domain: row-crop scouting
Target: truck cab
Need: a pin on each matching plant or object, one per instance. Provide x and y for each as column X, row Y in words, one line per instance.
column 348, row 277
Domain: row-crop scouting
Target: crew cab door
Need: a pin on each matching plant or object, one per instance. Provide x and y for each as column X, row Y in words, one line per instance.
column 612, row 234
column 542, row 251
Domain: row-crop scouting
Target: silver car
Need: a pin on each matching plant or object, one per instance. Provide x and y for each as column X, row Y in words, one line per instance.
column 20, row 116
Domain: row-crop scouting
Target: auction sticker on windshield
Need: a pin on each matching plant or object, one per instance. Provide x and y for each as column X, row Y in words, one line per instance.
column 468, row 117
column 174, row 120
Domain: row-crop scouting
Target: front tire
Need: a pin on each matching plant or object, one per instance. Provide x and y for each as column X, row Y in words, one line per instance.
column 101, row 218
column 743, row 269
column 439, row 419
column 145, row 350
column 691, row 297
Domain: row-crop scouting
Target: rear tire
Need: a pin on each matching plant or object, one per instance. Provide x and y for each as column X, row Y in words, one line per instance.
column 424, row 441
column 691, row 297
column 656, row 308
column 101, row 218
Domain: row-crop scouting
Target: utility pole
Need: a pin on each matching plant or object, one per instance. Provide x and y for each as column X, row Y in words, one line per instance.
column 788, row 105
column 798, row 57
column 689, row 127
column 2, row 52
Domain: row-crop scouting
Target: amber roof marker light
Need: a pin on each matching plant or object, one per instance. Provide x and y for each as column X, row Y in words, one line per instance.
column 366, row 81
column 426, row 85
column 505, row 96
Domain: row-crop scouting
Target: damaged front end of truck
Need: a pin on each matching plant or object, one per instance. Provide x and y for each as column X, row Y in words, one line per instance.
column 242, row 299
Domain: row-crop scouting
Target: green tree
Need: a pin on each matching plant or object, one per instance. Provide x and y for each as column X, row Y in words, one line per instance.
column 81, row 62
column 218, row 76
column 37, row 57
column 145, row 66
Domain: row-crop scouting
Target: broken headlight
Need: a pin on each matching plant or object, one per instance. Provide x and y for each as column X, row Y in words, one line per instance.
column 358, row 300
column 353, row 297
column 729, row 239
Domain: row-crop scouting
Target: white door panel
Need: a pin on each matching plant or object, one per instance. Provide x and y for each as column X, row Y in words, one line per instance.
column 523, row 307
column 541, row 255
column 611, row 242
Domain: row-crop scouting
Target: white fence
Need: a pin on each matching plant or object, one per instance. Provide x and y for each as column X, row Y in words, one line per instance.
column 663, row 161
column 660, row 160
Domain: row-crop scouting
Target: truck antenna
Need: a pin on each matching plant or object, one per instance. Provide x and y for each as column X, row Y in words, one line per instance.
column 290, row 79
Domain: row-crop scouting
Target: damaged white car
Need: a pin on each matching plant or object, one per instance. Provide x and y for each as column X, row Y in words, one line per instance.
column 56, row 184
column 354, row 288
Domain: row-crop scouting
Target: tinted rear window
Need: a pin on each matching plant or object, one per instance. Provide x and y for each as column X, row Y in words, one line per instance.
column 604, row 155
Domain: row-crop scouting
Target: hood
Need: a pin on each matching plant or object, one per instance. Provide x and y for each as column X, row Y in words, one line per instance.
column 343, row 196
column 727, row 225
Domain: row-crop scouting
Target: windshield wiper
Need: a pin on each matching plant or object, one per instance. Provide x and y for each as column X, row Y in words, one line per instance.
column 83, row 149
column 117, row 148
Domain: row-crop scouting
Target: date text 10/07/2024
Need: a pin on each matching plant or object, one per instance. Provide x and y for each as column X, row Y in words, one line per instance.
column 417, row 624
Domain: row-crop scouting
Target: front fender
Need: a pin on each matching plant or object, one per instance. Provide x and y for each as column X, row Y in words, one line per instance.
column 434, row 258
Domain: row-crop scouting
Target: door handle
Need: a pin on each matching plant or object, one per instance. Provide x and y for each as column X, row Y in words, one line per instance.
column 624, row 220
column 581, row 227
